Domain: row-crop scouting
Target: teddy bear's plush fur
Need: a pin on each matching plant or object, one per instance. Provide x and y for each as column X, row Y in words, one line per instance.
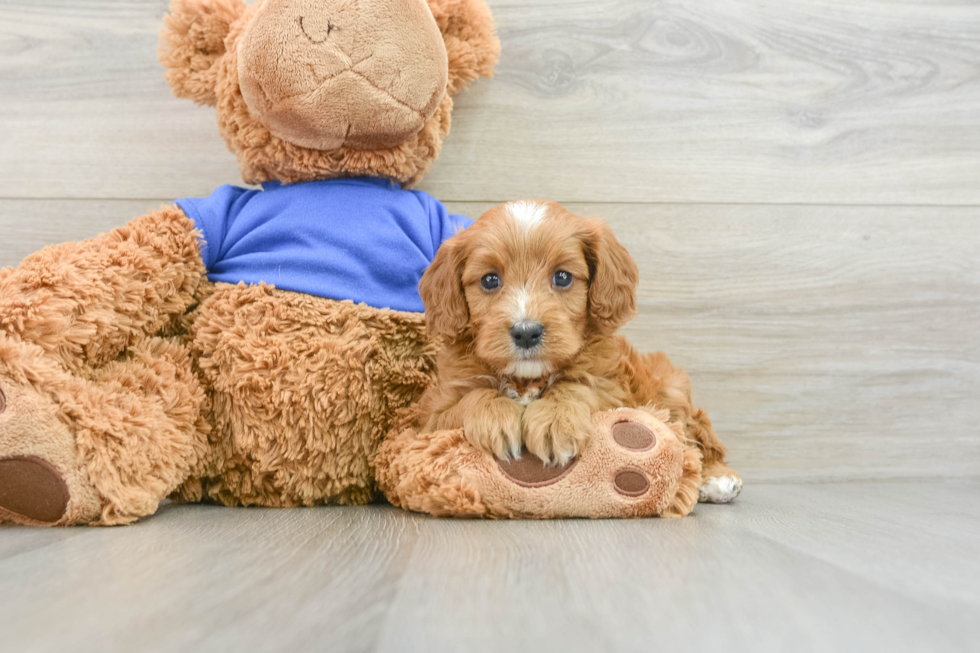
column 127, row 377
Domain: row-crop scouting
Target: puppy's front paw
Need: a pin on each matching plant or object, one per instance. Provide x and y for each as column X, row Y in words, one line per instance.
column 496, row 428
column 555, row 432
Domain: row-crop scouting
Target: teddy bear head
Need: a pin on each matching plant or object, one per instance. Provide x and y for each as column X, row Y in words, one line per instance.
column 314, row 89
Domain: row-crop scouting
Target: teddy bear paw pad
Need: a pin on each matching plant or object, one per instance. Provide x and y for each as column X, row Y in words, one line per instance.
column 32, row 488
column 631, row 482
column 633, row 436
column 530, row 471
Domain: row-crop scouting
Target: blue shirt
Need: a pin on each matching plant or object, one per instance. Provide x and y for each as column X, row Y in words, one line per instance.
column 362, row 238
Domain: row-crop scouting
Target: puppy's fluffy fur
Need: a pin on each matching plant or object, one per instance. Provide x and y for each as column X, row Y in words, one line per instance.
column 507, row 397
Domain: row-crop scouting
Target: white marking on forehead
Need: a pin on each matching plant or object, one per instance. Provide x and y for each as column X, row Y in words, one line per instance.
column 527, row 214
column 521, row 298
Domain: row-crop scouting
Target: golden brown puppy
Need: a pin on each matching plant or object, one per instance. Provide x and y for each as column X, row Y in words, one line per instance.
column 529, row 300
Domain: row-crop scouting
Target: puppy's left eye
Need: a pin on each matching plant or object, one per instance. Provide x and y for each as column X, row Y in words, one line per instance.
column 562, row 279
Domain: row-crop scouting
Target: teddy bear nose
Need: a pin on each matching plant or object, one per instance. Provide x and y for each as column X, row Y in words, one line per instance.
column 527, row 335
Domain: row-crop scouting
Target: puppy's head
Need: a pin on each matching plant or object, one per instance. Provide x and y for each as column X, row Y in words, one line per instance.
column 530, row 283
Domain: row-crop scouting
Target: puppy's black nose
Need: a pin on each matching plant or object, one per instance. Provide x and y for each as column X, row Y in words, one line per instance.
column 527, row 335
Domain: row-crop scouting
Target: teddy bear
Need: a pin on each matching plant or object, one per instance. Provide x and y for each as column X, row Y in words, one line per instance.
column 254, row 346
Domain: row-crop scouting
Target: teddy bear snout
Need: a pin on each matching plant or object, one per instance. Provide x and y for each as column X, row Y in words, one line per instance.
column 315, row 82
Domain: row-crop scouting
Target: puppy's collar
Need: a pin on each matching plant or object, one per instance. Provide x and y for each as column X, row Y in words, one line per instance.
column 524, row 390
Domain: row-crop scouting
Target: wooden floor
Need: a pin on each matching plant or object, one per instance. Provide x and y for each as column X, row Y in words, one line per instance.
column 887, row 566
column 800, row 184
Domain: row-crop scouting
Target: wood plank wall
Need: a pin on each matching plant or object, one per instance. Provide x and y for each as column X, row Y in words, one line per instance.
column 799, row 180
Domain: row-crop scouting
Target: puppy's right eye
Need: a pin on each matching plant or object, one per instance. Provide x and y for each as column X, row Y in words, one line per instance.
column 490, row 281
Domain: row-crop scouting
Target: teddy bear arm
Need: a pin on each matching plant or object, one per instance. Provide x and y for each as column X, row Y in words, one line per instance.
column 85, row 302
column 633, row 465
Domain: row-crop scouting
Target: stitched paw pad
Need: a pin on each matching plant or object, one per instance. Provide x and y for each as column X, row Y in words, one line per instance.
column 32, row 488
column 530, row 471
column 633, row 436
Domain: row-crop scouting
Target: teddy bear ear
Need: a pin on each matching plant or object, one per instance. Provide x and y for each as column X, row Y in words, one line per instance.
column 471, row 41
column 192, row 41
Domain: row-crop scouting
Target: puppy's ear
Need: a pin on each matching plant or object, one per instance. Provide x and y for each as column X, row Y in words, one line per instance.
column 471, row 43
column 441, row 288
column 191, row 43
column 613, row 279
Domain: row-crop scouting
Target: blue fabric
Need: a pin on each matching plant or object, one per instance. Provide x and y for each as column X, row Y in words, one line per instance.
column 362, row 238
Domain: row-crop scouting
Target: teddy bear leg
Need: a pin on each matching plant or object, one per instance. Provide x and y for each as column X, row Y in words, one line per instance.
column 42, row 481
column 634, row 465
column 302, row 390
column 104, row 448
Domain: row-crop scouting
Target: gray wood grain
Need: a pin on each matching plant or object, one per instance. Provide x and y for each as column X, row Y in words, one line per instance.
column 846, row 567
column 815, row 101
column 702, row 584
column 827, row 343
column 268, row 579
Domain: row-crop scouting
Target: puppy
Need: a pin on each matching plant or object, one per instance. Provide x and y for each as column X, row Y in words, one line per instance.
column 527, row 302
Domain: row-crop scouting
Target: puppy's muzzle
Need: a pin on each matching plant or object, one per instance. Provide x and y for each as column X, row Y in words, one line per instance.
column 527, row 335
